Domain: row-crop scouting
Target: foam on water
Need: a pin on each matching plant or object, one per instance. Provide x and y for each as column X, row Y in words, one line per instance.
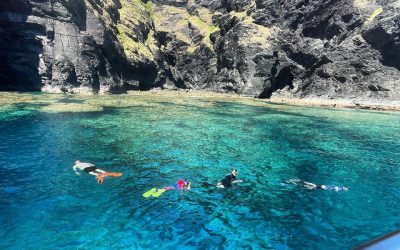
column 154, row 140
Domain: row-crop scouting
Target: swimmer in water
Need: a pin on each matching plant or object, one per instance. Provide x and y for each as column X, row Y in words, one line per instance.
column 334, row 188
column 156, row 192
column 229, row 180
column 310, row 185
column 93, row 170
column 180, row 185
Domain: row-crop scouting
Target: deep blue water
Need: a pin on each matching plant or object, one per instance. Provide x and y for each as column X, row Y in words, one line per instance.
column 155, row 141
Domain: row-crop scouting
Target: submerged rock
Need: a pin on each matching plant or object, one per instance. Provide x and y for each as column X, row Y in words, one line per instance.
column 71, row 107
column 303, row 49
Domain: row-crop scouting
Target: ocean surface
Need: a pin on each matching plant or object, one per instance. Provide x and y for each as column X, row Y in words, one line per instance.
column 156, row 140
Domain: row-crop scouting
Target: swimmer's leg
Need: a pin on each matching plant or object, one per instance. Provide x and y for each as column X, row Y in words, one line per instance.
column 293, row 181
column 112, row 174
column 94, row 173
column 310, row 185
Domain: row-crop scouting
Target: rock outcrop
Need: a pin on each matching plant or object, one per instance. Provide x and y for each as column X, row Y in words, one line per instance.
column 297, row 48
column 73, row 46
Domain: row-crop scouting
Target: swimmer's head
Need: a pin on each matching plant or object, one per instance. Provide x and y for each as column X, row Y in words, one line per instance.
column 234, row 172
column 186, row 185
column 77, row 162
column 346, row 188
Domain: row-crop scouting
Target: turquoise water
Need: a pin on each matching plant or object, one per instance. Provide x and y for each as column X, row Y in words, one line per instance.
column 155, row 140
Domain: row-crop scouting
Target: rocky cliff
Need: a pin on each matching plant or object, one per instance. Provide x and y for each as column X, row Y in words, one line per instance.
column 290, row 48
column 74, row 45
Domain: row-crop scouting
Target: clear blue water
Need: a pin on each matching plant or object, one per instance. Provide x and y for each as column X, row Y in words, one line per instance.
column 155, row 141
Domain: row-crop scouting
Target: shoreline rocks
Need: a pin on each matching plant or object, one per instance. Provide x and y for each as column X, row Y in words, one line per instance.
column 126, row 99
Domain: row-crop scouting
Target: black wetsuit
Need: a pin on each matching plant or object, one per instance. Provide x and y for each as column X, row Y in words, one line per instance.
column 227, row 181
column 90, row 169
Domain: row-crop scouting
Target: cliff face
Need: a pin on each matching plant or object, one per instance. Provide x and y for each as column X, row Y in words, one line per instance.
column 301, row 48
column 71, row 46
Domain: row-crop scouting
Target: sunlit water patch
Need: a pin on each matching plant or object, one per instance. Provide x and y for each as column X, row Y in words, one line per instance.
column 155, row 140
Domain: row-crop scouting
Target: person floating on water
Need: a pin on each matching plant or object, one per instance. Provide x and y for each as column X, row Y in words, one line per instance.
column 310, row 185
column 229, row 180
column 156, row 192
column 93, row 170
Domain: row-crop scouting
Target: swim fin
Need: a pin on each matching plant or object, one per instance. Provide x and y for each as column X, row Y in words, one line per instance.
column 112, row 174
column 150, row 192
column 101, row 176
column 159, row 192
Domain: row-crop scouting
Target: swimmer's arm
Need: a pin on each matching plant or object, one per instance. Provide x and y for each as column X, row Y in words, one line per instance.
column 74, row 168
column 219, row 185
column 237, row 181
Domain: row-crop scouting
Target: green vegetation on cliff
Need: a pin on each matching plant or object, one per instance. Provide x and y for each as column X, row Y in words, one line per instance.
column 134, row 15
column 182, row 24
column 254, row 34
column 205, row 30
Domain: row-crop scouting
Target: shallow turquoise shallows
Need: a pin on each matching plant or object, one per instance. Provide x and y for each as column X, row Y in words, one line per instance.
column 156, row 140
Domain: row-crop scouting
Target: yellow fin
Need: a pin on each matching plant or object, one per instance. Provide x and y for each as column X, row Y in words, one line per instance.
column 159, row 192
column 150, row 192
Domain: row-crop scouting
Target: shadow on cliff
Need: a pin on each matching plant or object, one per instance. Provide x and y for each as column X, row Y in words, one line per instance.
column 282, row 79
column 387, row 43
column 19, row 47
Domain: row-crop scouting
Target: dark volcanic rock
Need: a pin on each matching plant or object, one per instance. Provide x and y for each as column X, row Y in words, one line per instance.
column 68, row 46
column 297, row 48
column 331, row 49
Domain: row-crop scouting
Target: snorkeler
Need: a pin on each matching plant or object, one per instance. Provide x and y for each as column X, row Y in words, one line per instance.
column 229, row 180
column 93, row 170
column 180, row 185
column 310, row 185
